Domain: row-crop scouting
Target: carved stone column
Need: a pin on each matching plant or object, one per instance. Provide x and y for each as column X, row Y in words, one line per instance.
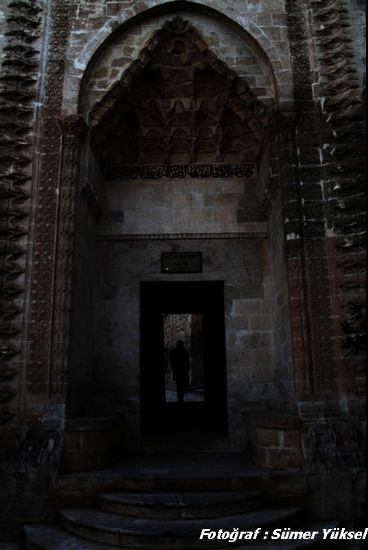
column 50, row 351
column 338, row 94
column 47, row 211
column 283, row 126
column 72, row 128
column 309, row 173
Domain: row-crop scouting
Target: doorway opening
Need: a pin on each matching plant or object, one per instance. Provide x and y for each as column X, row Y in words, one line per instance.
column 193, row 313
column 186, row 328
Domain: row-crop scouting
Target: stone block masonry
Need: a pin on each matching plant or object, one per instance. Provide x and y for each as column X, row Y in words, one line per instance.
column 274, row 439
column 265, row 22
column 292, row 261
column 195, row 206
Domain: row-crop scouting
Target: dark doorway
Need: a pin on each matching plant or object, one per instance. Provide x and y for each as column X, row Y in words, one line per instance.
column 200, row 306
column 188, row 328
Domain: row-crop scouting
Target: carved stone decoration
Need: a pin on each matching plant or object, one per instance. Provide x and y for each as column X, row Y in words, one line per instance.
column 71, row 127
column 329, row 445
column 47, row 274
column 156, row 172
column 296, row 268
column 305, row 221
column 17, row 94
column 341, row 108
column 281, row 124
column 179, row 104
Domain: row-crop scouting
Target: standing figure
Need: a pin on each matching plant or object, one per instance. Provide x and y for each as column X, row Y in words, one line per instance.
column 180, row 365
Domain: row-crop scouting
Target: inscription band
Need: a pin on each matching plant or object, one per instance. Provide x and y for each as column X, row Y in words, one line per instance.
column 155, row 172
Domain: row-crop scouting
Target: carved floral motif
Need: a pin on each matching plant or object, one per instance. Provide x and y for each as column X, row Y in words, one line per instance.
column 46, row 365
column 342, row 112
column 17, row 92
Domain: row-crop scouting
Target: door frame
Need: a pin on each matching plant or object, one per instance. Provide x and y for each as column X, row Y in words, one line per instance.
column 206, row 298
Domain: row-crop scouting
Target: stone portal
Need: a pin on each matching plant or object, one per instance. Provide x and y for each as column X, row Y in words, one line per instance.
column 177, row 159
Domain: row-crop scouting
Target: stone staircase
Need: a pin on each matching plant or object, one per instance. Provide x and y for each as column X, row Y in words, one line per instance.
column 130, row 525
column 167, row 504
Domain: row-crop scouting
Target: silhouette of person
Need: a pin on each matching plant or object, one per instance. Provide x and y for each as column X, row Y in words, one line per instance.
column 180, row 365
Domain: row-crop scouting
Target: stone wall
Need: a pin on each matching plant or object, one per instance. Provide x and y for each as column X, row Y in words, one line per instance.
column 219, row 217
column 228, row 46
column 258, row 26
column 181, row 206
column 178, row 327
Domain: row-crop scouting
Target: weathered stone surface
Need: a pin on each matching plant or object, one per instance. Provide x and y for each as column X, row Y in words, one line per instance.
column 343, row 152
column 225, row 44
column 289, row 246
column 17, row 92
column 185, row 105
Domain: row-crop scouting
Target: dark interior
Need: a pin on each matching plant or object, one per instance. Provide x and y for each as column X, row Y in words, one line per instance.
column 158, row 416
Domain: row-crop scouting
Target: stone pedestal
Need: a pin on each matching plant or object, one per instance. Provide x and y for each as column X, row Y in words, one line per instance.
column 91, row 443
column 274, row 439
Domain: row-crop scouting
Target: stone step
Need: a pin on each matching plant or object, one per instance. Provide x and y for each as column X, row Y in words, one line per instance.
column 180, row 505
column 175, row 473
column 170, row 535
